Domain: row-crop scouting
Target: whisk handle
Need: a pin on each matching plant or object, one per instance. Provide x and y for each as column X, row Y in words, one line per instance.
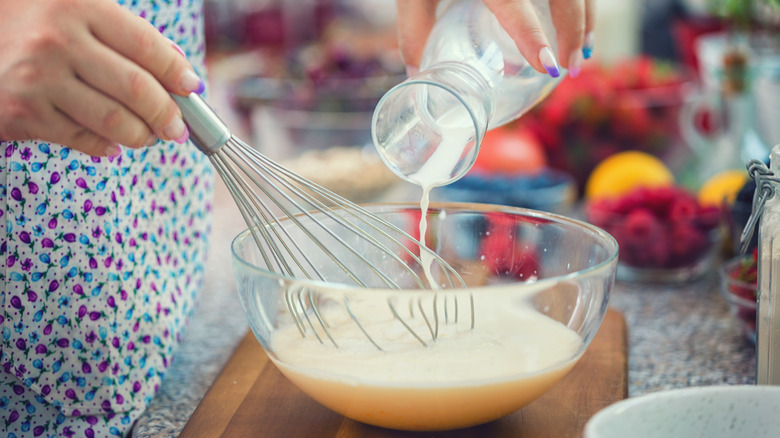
column 207, row 131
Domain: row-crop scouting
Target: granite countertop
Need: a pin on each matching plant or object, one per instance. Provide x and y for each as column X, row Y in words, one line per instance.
column 679, row 336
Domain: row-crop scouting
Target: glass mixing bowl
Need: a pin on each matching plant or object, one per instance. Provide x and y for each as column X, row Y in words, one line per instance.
column 419, row 359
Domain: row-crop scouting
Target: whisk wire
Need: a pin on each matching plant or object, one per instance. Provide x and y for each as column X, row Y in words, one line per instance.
column 318, row 316
column 246, row 212
column 289, row 301
column 252, row 178
column 353, row 210
column 360, row 326
column 258, row 164
column 260, row 218
column 405, row 324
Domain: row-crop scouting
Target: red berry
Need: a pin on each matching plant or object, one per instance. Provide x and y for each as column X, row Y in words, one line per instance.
column 509, row 259
column 658, row 252
column 601, row 212
column 687, row 243
column 709, row 217
column 683, row 211
column 641, row 226
column 745, row 292
column 503, row 254
column 658, row 199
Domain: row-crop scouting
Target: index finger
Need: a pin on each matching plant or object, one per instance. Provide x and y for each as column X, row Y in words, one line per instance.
column 141, row 43
column 521, row 21
column 415, row 20
column 569, row 18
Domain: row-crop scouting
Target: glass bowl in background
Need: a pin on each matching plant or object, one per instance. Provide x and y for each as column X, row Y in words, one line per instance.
column 288, row 116
column 665, row 235
column 538, row 289
column 741, row 293
column 318, row 89
column 550, row 190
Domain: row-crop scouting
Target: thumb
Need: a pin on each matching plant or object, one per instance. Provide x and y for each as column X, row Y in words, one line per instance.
column 415, row 20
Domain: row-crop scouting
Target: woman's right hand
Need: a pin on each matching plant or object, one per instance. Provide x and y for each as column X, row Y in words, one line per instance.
column 90, row 75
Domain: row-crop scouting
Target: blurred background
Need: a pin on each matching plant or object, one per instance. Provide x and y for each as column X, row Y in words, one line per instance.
column 679, row 93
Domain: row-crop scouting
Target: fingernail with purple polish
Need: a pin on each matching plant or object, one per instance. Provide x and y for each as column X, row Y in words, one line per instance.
column 547, row 59
column 192, row 82
column 587, row 48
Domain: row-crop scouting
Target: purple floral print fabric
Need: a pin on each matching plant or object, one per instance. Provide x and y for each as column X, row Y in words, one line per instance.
column 101, row 262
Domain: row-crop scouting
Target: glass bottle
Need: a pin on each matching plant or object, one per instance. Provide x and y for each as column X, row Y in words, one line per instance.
column 428, row 129
column 768, row 316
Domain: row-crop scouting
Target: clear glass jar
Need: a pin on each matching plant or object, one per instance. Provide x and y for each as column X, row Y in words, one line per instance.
column 767, row 318
column 472, row 78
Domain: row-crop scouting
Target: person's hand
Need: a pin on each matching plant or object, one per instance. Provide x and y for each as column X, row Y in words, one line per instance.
column 573, row 20
column 90, row 75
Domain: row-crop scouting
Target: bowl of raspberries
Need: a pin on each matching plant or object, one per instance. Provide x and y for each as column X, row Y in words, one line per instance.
column 665, row 234
column 738, row 285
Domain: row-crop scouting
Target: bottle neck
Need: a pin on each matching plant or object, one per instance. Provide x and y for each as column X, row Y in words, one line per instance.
column 466, row 84
column 435, row 119
column 774, row 160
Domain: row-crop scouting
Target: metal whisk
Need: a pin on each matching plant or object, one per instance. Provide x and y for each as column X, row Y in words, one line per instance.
column 286, row 213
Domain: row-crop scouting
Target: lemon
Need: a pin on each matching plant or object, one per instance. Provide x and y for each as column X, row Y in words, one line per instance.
column 723, row 186
column 622, row 172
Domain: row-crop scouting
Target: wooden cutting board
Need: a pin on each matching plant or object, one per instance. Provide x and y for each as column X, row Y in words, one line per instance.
column 251, row 398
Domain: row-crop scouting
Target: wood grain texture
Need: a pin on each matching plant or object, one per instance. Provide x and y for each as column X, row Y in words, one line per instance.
column 251, row 398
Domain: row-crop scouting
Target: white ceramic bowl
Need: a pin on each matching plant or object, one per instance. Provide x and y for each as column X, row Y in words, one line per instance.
column 712, row 412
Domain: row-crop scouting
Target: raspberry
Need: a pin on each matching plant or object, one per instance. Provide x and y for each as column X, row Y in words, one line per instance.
column 746, row 272
column 658, row 252
column 504, row 256
column 601, row 213
column 683, row 211
column 658, row 199
column 523, row 264
column 641, row 226
column 709, row 217
column 747, row 293
column 627, row 203
column 657, row 226
column 413, row 229
column 493, row 248
column 499, row 221
column 686, row 243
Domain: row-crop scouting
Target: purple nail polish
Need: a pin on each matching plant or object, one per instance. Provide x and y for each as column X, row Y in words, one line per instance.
column 201, row 88
column 192, row 83
column 547, row 59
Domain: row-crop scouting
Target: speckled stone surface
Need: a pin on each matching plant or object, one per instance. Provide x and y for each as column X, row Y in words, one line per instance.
column 679, row 336
column 682, row 336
